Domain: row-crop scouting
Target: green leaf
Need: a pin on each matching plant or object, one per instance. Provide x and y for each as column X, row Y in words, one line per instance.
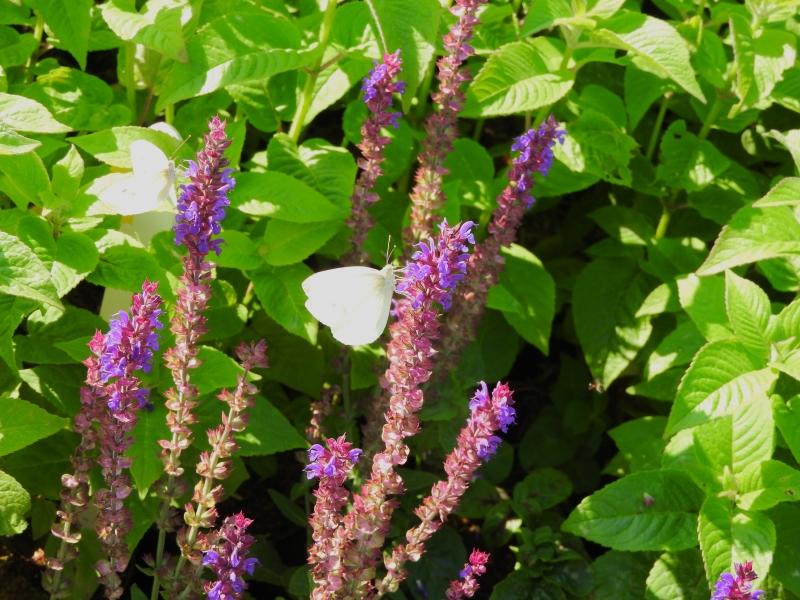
column 112, row 146
column 24, row 179
column 784, row 193
column 752, row 235
column 677, row 576
column 641, row 90
column 158, row 28
column 238, row 252
column 640, row 442
column 598, row 145
column 23, row 274
column 766, row 484
column 541, row 489
column 621, row 575
column 411, row 26
column 125, row 267
column 787, row 418
column 617, row 516
column 13, row 143
column 78, row 99
column 288, row 243
column 787, row 553
column 146, row 466
column 268, row 431
column 278, row 289
column 728, row 536
column 791, row 141
column 218, row 371
column 624, row 224
column 675, row 350
column 605, row 301
column 655, row 44
column 15, row 503
column 67, row 175
column 515, row 79
column 70, row 21
column 544, row 14
column 687, row 162
column 748, row 311
column 787, row 91
column 282, row 197
column 23, row 114
column 15, row 48
column 722, row 378
column 39, row 467
column 703, row 299
column 743, row 54
column 23, row 423
column 526, row 295
column 238, row 47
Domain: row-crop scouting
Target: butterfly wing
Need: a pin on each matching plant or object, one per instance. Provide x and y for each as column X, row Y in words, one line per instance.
column 353, row 301
column 154, row 174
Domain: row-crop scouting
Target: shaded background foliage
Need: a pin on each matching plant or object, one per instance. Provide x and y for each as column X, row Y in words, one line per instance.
column 646, row 317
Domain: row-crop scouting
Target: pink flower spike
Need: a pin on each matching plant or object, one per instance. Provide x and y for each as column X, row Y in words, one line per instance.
column 467, row 584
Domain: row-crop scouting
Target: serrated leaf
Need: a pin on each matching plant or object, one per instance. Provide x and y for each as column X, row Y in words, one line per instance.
column 514, row 80
column 786, row 518
column 412, row 26
column 112, row 146
column 23, row 274
column 543, row 14
column 784, row 193
column 288, row 243
column 728, row 536
column 238, row 252
column 280, row 196
column 15, row 48
column 743, row 54
column 676, row 349
column 766, row 484
column 656, row 43
column 722, row 378
column 525, row 295
column 606, row 298
column 703, row 299
column 280, row 293
column 787, row 418
column 26, row 115
column 146, row 466
column 641, row 90
column 687, row 162
column 749, row 311
column 71, row 21
column 24, row 179
column 13, row 143
column 621, row 575
column 640, row 442
column 15, row 503
column 75, row 257
column 752, row 235
column 23, row 423
column 218, row 371
column 618, row 517
column 238, row 47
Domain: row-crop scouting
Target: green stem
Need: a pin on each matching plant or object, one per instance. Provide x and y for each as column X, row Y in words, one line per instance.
column 663, row 223
column 476, row 133
column 162, row 538
column 169, row 113
column 700, row 10
column 307, row 94
column 130, row 82
column 38, row 32
column 654, row 135
column 711, row 117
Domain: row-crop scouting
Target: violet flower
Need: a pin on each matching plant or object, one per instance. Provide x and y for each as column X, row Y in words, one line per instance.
column 201, row 208
column 331, row 465
column 378, row 88
column 476, row 443
column 441, row 126
column 227, row 557
column 467, row 583
column 215, row 465
column 739, row 587
column 535, row 149
column 428, row 283
column 126, row 350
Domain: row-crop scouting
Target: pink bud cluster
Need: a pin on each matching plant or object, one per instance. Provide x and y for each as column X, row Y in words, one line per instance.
column 227, row 557
column 476, row 443
column 535, row 149
column 378, row 88
column 738, row 587
column 467, row 583
column 441, row 126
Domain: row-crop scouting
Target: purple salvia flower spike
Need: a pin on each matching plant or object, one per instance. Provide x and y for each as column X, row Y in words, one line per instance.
column 475, row 444
column 227, row 558
column 738, row 587
column 378, row 88
column 441, row 126
column 467, row 584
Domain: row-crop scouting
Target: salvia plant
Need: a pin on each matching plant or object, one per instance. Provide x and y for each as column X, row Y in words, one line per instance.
column 581, row 216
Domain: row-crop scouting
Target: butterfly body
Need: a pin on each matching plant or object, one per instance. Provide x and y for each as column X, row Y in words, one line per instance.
column 353, row 301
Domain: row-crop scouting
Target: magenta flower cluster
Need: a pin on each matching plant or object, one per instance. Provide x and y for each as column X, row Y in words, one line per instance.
column 501, row 414
column 436, row 267
column 334, row 462
column 202, row 202
column 467, row 583
column 739, row 587
column 228, row 558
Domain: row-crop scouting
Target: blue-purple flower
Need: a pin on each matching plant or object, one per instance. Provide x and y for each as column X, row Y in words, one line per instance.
column 335, row 461
column 437, row 266
column 535, row 148
column 202, row 203
column 739, row 587
column 228, row 558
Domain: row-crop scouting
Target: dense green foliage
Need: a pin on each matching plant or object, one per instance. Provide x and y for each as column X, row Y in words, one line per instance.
column 647, row 317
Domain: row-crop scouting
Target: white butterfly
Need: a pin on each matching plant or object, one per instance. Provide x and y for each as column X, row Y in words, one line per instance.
column 149, row 186
column 353, row 301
